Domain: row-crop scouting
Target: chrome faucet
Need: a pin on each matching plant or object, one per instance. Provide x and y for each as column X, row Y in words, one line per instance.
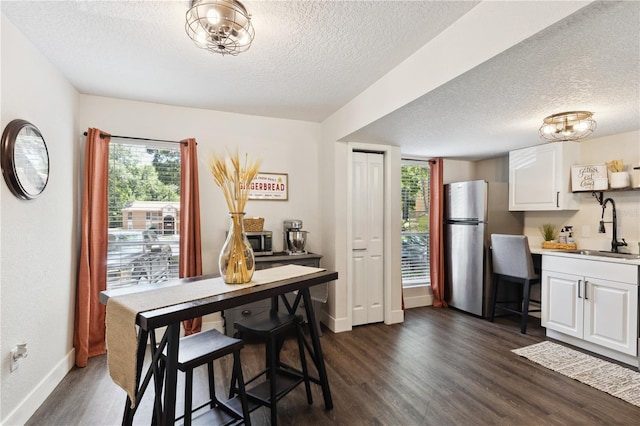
column 614, row 241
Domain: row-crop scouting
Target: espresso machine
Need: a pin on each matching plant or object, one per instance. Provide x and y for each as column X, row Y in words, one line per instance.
column 294, row 237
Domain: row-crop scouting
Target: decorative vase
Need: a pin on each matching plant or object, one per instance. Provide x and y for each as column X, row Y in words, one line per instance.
column 236, row 261
column 619, row 180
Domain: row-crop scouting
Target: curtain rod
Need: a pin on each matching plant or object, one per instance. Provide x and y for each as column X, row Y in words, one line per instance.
column 102, row 136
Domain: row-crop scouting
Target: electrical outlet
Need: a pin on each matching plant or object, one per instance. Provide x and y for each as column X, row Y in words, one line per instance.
column 15, row 361
column 17, row 353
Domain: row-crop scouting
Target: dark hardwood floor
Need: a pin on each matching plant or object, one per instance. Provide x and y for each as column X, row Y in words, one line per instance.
column 440, row 367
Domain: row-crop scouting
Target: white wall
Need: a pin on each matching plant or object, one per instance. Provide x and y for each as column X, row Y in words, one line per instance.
column 585, row 221
column 457, row 171
column 493, row 27
column 493, row 169
column 37, row 237
column 283, row 146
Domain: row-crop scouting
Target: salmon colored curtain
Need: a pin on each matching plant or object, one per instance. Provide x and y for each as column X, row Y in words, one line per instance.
column 190, row 243
column 89, row 328
column 436, row 232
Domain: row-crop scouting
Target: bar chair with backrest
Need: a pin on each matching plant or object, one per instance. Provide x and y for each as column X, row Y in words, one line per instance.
column 512, row 264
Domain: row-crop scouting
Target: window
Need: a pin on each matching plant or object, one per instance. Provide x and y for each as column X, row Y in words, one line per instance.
column 144, row 181
column 415, row 223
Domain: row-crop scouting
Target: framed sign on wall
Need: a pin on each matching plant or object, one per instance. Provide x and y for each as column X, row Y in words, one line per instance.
column 589, row 177
column 270, row 186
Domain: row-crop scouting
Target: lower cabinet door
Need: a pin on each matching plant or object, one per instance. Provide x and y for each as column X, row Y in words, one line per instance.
column 562, row 303
column 610, row 317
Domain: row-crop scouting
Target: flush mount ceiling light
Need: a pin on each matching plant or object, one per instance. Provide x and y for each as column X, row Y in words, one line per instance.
column 568, row 126
column 220, row 26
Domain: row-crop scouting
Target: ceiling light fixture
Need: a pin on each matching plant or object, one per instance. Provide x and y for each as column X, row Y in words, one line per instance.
column 568, row 126
column 220, row 26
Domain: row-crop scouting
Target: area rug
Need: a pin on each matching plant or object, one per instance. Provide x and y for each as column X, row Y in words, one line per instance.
column 621, row 382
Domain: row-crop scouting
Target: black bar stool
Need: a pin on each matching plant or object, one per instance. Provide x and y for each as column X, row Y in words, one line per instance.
column 271, row 328
column 512, row 263
column 203, row 348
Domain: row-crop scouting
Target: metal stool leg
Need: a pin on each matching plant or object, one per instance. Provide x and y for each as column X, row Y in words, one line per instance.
column 494, row 295
column 212, row 385
column 525, row 306
column 303, row 363
column 188, row 390
column 273, row 365
column 237, row 371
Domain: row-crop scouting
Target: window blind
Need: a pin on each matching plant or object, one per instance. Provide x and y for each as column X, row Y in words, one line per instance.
column 415, row 223
column 143, row 212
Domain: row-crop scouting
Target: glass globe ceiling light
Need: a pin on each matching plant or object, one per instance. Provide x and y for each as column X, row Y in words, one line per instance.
column 220, row 26
column 568, row 126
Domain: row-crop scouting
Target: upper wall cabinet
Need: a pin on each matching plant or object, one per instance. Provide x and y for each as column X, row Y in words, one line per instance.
column 539, row 177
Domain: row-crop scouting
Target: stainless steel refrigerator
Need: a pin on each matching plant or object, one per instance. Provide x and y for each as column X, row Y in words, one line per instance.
column 473, row 211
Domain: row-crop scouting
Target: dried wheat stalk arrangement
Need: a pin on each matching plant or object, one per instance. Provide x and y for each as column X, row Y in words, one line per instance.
column 235, row 179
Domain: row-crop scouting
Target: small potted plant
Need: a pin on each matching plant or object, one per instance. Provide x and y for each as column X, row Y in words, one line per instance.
column 549, row 233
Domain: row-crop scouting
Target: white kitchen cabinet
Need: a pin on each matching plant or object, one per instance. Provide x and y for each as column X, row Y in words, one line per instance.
column 591, row 300
column 562, row 308
column 611, row 314
column 540, row 177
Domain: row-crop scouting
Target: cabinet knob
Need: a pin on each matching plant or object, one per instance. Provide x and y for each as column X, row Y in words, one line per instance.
column 246, row 313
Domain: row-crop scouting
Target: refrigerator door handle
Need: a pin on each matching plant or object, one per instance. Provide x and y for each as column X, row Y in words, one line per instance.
column 464, row 222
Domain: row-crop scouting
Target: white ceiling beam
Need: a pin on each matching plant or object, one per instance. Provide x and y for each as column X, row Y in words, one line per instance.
column 487, row 30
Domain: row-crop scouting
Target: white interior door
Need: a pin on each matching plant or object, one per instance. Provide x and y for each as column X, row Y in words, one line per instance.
column 368, row 242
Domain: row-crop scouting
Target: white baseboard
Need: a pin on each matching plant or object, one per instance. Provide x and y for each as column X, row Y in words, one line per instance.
column 334, row 324
column 344, row 324
column 396, row 317
column 23, row 412
column 417, row 296
column 418, row 301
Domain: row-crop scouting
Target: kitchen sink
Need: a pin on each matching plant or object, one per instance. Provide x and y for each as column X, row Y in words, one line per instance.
column 603, row 253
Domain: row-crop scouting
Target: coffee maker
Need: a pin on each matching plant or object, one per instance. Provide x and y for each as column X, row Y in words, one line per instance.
column 294, row 237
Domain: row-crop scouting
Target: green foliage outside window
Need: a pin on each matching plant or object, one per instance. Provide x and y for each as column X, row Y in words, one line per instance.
column 415, row 198
column 132, row 178
column 167, row 164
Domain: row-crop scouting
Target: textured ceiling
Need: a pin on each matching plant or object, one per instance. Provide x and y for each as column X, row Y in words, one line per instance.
column 588, row 61
column 310, row 58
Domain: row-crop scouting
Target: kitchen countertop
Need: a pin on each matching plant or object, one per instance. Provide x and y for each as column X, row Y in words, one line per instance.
column 593, row 257
column 284, row 256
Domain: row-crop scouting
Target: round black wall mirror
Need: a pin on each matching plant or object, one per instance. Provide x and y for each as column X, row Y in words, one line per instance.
column 25, row 159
